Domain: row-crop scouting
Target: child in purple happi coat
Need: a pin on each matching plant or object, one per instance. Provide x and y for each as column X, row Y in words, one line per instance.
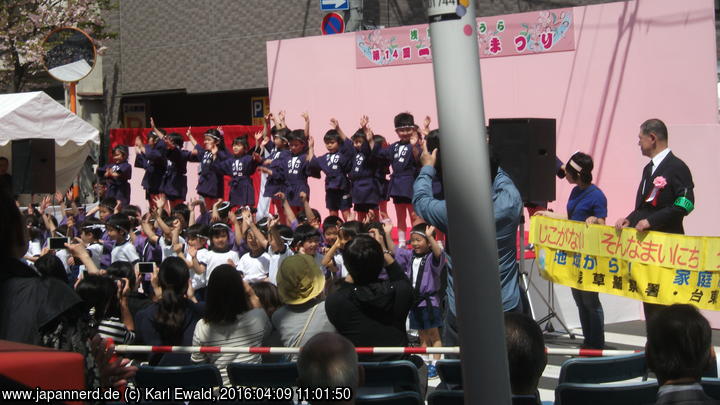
column 210, row 183
column 365, row 189
column 240, row 166
column 151, row 158
column 404, row 158
column 174, row 184
column 336, row 164
column 423, row 265
column 275, row 167
column 117, row 174
column 298, row 167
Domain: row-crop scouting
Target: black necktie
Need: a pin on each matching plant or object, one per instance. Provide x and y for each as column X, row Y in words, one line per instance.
column 647, row 173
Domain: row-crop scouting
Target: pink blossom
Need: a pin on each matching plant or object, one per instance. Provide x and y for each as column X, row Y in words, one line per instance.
column 660, row 182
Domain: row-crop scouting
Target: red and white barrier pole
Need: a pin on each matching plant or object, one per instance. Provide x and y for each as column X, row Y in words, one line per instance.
column 360, row 350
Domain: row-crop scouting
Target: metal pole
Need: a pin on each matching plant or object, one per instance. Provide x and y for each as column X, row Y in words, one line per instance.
column 467, row 184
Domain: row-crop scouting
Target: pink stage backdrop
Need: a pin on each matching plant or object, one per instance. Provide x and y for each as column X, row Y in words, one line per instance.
column 631, row 61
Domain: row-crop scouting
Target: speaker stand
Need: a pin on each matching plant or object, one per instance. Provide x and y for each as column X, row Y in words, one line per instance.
column 527, row 283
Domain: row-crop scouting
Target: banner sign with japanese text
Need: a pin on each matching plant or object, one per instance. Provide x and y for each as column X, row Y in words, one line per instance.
column 505, row 35
column 654, row 267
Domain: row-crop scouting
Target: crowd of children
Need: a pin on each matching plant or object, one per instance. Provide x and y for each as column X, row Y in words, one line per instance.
column 208, row 234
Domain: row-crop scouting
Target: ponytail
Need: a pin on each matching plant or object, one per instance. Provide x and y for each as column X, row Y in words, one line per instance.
column 170, row 318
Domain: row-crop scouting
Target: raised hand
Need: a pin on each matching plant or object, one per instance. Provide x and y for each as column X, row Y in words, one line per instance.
column 258, row 137
column 303, row 196
column 414, row 138
column 152, row 123
column 138, row 143
column 388, row 226
column 232, row 216
column 426, row 126
column 364, row 120
column 246, row 215
column 377, row 236
column 159, row 201
column 305, row 116
column 196, row 202
column 279, row 195
column 429, row 230
column 334, row 124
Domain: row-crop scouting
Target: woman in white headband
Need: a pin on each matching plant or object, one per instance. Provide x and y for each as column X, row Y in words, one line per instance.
column 587, row 203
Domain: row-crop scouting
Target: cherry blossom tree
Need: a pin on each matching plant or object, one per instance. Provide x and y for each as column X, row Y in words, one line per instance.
column 24, row 25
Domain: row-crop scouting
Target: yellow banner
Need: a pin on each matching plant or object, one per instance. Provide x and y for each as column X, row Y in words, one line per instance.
column 653, row 267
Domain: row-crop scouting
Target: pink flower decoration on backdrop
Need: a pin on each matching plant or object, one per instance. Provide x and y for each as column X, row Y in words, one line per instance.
column 660, row 182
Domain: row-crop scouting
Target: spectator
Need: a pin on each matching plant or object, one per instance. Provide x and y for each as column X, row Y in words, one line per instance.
column 171, row 320
column 46, row 311
column 268, row 295
column 329, row 360
column 300, row 285
column 50, row 265
column 108, row 307
column 526, row 357
column 233, row 317
column 137, row 301
column 369, row 311
column 678, row 350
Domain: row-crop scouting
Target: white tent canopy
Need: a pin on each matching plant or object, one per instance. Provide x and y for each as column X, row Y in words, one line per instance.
column 37, row 116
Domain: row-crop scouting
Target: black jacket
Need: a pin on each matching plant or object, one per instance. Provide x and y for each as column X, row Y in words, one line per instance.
column 374, row 314
column 664, row 216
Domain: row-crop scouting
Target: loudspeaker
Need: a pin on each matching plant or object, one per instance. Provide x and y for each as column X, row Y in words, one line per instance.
column 525, row 148
column 33, row 166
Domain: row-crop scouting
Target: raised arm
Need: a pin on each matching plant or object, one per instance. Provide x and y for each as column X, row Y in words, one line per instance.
column 148, row 229
column 236, row 228
column 77, row 249
column 192, row 140
column 259, row 237
column 280, row 123
column 369, row 135
column 289, row 214
column 334, row 124
column 434, row 246
column 309, row 214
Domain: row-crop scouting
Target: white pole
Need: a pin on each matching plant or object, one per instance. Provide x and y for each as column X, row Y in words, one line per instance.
column 467, row 185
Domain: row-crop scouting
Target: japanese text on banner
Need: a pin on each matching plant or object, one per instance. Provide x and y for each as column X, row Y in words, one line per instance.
column 504, row 35
column 650, row 266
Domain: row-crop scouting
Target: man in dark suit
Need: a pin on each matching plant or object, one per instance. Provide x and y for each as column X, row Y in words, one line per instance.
column 678, row 350
column 665, row 194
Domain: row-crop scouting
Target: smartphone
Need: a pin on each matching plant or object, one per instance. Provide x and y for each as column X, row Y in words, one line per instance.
column 146, row 268
column 58, row 243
